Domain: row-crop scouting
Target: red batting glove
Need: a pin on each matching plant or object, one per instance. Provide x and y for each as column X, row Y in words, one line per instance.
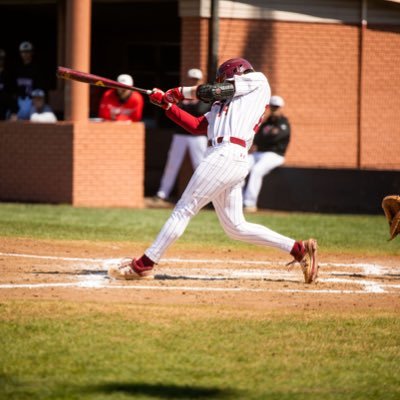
column 174, row 95
column 157, row 97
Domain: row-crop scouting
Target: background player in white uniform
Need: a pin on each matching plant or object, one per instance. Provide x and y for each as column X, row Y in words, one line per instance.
column 239, row 100
column 268, row 151
column 183, row 141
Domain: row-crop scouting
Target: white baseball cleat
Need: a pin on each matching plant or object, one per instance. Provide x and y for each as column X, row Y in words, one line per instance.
column 306, row 255
column 128, row 270
column 309, row 263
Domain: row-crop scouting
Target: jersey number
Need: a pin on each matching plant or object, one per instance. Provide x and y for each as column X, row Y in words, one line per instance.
column 257, row 125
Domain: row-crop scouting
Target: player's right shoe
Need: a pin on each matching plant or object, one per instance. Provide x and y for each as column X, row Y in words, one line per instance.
column 306, row 254
column 159, row 202
column 250, row 209
column 128, row 269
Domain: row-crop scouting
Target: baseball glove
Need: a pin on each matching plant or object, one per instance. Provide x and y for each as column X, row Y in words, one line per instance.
column 391, row 207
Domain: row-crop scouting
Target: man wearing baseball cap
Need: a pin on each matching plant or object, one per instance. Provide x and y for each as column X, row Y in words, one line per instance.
column 183, row 141
column 28, row 77
column 121, row 104
column 40, row 111
column 239, row 96
column 26, row 47
column 268, row 151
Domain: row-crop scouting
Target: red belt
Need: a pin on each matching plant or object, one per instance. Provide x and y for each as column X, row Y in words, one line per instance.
column 232, row 139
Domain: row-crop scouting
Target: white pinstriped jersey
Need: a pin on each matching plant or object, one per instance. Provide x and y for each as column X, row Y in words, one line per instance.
column 240, row 116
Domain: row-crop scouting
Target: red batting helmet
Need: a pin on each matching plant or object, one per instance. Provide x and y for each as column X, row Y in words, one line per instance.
column 234, row 66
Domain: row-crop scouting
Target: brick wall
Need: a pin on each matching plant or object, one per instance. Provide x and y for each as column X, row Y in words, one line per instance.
column 87, row 164
column 380, row 140
column 315, row 67
column 36, row 162
column 194, row 45
column 109, row 164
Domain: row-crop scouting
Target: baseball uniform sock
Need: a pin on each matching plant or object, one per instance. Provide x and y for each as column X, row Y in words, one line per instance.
column 298, row 251
column 144, row 262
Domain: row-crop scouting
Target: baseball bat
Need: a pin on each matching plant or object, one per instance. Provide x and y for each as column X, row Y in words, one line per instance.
column 85, row 77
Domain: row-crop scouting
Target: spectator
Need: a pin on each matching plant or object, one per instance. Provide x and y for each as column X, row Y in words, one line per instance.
column 268, row 151
column 28, row 76
column 40, row 111
column 182, row 140
column 121, row 104
column 8, row 102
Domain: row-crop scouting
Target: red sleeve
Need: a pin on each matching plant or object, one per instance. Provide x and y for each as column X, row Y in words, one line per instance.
column 138, row 107
column 104, row 110
column 195, row 125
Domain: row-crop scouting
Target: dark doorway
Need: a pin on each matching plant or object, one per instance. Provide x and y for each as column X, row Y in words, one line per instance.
column 36, row 24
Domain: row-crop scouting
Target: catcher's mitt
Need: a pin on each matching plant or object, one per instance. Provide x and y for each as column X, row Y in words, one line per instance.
column 391, row 207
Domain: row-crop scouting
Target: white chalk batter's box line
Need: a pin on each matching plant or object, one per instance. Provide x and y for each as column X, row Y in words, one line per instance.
column 368, row 266
column 98, row 282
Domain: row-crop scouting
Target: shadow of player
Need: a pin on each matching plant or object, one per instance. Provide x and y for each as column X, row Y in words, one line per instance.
column 164, row 391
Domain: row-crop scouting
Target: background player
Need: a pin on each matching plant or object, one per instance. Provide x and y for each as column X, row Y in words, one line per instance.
column 121, row 104
column 267, row 152
column 239, row 99
column 182, row 141
column 28, row 76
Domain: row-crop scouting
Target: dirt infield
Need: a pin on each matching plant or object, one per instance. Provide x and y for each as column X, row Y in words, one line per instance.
column 76, row 271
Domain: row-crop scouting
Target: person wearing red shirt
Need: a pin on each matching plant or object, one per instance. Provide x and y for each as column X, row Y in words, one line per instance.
column 121, row 104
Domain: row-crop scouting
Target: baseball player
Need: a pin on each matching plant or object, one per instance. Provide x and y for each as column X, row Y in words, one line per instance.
column 182, row 140
column 268, row 151
column 239, row 97
column 121, row 104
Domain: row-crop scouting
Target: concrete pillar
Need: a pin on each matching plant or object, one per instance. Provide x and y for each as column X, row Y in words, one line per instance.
column 78, row 57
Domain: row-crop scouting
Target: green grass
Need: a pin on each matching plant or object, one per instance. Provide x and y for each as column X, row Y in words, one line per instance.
column 359, row 234
column 99, row 351
column 55, row 350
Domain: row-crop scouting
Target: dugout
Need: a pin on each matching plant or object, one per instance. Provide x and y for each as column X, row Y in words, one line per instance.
column 107, row 38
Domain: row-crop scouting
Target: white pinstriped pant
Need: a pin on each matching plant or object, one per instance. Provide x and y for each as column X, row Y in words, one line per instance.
column 218, row 179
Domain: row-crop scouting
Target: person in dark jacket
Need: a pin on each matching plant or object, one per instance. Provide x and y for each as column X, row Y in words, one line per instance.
column 28, row 77
column 268, row 151
column 8, row 101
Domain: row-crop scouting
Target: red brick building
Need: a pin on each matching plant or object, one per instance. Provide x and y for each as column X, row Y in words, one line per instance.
column 336, row 63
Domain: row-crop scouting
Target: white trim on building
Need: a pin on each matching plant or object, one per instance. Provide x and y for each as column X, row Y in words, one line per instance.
column 323, row 11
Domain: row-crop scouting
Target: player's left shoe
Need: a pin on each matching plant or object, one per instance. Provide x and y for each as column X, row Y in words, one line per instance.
column 128, row 269
column 306, row 254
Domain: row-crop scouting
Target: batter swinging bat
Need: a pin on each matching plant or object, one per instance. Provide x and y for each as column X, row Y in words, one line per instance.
column 72, row 74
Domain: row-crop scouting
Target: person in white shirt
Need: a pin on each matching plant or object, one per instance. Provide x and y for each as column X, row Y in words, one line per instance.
column 40, row 111
column 183, row 141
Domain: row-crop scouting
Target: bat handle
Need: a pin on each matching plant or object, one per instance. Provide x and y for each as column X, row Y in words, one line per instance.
column 149, row 92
